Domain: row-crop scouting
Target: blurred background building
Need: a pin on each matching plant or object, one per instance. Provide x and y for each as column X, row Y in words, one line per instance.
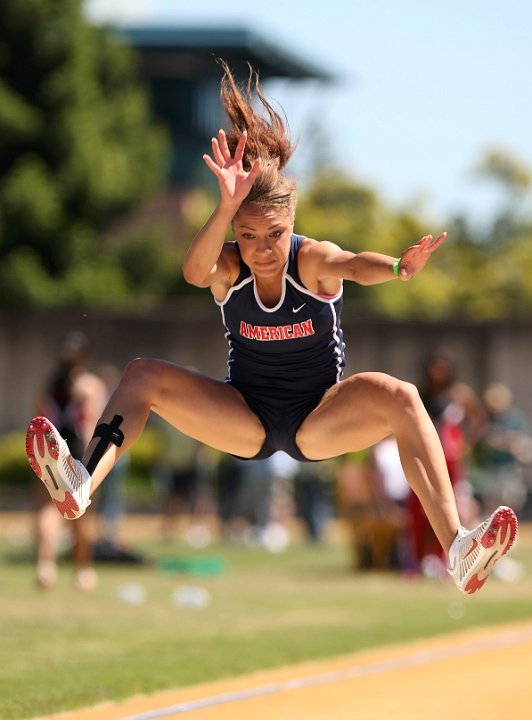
column 178, row 65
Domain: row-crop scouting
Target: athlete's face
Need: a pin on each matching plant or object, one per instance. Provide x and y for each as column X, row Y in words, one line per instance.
column 264, row 239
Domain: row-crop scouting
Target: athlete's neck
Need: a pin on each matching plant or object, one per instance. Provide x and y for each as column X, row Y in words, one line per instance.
column 269, row 290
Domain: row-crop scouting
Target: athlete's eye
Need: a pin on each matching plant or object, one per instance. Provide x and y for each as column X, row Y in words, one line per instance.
column 276, row 233
column 248, row 236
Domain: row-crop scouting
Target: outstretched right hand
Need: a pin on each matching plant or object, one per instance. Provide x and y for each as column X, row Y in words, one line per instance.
column 235, row 183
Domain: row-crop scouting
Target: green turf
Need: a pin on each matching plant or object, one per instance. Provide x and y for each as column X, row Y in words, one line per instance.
column 61, row 649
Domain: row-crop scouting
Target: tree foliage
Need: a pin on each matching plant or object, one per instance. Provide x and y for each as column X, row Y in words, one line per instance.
column 492, row 265
column 77, row 149
column 352, row 215
column 476, row 274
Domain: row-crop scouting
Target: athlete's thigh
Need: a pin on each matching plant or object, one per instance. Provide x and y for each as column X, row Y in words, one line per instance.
column 351, row 416
column 208, row 410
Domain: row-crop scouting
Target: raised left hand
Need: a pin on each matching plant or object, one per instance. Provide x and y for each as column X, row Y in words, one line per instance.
column 416, row 256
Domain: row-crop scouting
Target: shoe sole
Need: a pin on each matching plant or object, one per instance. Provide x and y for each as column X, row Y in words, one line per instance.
column 42, row 449
column 499, row 537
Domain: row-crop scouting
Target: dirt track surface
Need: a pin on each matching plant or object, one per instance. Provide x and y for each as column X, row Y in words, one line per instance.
column 477, row 673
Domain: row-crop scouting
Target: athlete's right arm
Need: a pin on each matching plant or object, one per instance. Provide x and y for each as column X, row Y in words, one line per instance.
column 205, row 262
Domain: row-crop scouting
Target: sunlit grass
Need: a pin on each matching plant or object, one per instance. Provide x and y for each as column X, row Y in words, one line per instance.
column 63, row 649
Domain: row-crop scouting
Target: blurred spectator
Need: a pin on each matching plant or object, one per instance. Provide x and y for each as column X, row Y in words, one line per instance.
column 110, row 506
column 183, row 473
column 245, row 498
column 396, row 497
column 313, row 497
column 229, row 477
column 455, row 409
column 255, row 500
column 460, row 419
column 255, row 497
column 73, row 399
column 371, row 516
column 276, row 535
column 504, row 450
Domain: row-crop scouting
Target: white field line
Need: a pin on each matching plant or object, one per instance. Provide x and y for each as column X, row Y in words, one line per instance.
column 418, row 658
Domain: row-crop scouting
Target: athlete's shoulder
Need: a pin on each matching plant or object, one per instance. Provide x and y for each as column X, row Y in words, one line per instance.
column 313, row 259
column 317, row 250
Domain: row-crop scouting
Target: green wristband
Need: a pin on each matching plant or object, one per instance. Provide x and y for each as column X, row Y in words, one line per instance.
column 396, row 267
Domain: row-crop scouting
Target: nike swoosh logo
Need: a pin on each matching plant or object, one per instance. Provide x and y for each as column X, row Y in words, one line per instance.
column 299, row 308
column 473, row 547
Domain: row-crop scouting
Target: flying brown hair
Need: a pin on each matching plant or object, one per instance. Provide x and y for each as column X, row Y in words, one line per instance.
column 267, row 138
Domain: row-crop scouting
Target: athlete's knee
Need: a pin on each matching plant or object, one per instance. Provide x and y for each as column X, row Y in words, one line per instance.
column 388, row 390
column 406, row 397
column 141, row 373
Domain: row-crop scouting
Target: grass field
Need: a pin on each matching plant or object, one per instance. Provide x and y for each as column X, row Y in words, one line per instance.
column 62, row 649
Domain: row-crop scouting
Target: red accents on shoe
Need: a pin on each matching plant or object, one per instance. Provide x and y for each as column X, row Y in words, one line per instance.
column 34, row 435
column 40, row 434
column 66, row 478
column 503, row 521
column 474, row 546
column 34, row 465
column 474, row 584
column 474, row 553
column 68, row 507
column 502, row 530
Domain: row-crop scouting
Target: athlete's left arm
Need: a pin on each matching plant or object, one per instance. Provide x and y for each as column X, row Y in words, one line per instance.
column 326, row 264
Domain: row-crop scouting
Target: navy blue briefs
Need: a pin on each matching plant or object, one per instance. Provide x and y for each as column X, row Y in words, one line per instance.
column 281, row 413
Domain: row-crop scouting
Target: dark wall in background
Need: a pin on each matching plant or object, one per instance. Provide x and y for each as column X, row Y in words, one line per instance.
column 192, row 334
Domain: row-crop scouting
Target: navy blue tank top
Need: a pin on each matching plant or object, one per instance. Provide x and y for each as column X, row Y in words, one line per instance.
column 296, row 346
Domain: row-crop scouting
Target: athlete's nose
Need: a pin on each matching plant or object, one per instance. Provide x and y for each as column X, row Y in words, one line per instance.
column 264, row 245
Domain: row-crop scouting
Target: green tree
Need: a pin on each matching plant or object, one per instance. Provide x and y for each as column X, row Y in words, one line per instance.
column 502, row 167
column 77, row 150
column 492, row 266
column 479, row 273
column 351, row 214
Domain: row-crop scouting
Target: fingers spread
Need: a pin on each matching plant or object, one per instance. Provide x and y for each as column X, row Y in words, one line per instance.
column 212, row 165
column 216, row 151
column 425, row 243
column 436, row 243
column 222, row 139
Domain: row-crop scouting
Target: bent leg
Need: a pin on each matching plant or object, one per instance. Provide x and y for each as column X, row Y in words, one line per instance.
column 360, row 411
column 208, row 410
